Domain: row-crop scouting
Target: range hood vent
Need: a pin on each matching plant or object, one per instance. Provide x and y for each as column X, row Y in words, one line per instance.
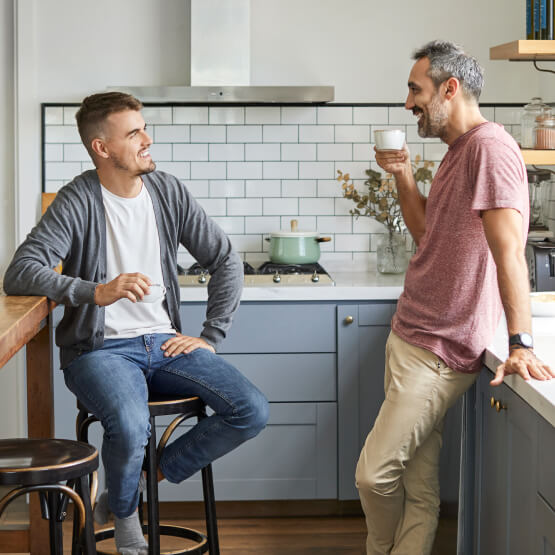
column 220, row 64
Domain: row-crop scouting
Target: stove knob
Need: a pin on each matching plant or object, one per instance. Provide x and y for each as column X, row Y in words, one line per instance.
column 315, row 278
column 202, row 278
column 276, row 278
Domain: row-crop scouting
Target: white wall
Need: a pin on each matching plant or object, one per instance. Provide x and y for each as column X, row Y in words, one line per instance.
column 10, row 379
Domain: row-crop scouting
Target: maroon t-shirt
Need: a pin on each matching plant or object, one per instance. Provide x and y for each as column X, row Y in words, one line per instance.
column 451, row 304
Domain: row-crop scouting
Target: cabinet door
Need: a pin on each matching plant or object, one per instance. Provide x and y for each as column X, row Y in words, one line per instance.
column 544, row 528
column 493, row 470
column 362, row 332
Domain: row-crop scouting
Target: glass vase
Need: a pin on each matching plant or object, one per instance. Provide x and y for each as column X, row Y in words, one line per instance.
column 391, row 254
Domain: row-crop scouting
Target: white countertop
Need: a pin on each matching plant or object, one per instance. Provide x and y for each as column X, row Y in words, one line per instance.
column 371, row 285
column 349, row 286
column 540, row 395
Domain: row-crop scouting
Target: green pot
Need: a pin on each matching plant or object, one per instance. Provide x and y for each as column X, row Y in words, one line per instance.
column 295, row 247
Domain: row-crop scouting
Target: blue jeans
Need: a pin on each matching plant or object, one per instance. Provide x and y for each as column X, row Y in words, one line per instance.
column 113, row 383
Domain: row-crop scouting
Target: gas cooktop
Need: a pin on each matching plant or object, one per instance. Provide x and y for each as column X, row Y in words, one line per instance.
column 268, row 274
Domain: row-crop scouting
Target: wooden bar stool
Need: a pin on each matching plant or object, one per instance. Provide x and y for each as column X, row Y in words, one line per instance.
column 37, row 465
column 184, row 408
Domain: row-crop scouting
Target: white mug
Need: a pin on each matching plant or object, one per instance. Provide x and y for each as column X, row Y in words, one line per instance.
column 389, row 139
column 157, row 292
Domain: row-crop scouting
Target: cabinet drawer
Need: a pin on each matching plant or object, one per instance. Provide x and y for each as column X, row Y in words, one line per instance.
column 290, row 377
column 275, row 328
column 294, row 457
column 546, row 458
column 375, row 314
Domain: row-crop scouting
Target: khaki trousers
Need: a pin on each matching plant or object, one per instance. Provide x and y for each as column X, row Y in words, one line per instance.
column 397, row 473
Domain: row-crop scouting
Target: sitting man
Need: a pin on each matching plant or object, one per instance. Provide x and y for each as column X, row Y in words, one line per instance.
column 117, row 230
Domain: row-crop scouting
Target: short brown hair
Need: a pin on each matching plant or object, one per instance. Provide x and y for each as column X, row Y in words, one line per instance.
column 96, row 108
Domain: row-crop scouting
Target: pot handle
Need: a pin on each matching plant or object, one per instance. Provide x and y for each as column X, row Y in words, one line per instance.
column 323, row 239
column 267, row 239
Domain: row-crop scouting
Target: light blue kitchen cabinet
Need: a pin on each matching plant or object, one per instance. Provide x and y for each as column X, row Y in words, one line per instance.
column 514, row 479
column 288, row 350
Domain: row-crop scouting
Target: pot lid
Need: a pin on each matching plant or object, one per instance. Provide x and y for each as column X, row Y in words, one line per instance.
column 293, row 234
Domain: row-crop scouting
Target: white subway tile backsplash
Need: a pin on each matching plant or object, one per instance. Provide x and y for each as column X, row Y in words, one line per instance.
column 161, row 152
column 190, row 114
column 53, row 115
column 352, row 242
column 316, row 133
column 263, row 188
column 488, row 112
column 335, row 152
column 298, row 114
column 226, row 152
column 254, row 168
column 179, row 169
column 227, row 188
column 400, row 116
column 363, row 151
column 75, row 153
column 244, row 134
column 315, row 206
column 370, row 115
column 208, row 133
column 357, row 170
column 280, row 170
column 435, row 152
column 244, row 207
column 246, row 243
column 280, row 206
column 53, row 152
column 62, row 170
column 262, row 224
column 171, row 134
column 197, row 187
column 153, row 115
column 214, row 206
column 280, row 133
column 304, row 223
column 69, row 114
column 352, row 133
column 298, row 152
column 316, row 170
column 262, row 114
column 335, row 224
column 61, row 134
column 329, row 188
column 208, row 170
column 230, row 115
column 270, row 151
column 244, row 170
column 338, row 114
column 234, row 225
column 298, row 188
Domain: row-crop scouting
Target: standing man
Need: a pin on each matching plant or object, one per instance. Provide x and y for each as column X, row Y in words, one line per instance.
column 117, row 230
column 469, row 265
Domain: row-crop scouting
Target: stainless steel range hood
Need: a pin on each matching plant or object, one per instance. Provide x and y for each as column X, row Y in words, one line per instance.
column 220, row 63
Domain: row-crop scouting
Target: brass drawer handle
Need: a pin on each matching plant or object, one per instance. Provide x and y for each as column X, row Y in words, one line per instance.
column 497, row 405
column 349, row 320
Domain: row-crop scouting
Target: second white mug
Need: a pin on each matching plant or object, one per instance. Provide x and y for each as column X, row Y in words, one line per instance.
column 157, row 292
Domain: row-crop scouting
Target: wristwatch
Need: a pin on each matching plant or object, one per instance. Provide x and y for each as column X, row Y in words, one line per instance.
column 521, row 341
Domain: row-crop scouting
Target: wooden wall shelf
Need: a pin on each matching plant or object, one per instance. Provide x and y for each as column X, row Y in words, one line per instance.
column 539, row 157
column 524, row 50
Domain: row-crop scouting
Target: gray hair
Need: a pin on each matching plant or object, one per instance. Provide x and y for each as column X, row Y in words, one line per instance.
column 448, row 59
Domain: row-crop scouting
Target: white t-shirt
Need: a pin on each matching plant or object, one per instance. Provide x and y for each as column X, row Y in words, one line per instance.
column 133, row 245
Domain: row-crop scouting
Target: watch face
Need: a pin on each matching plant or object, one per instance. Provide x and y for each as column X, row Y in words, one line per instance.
column 524, row 339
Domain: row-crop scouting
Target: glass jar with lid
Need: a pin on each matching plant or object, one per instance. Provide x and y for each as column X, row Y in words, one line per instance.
column 539, row 186
column 528, row 120
column 544, row 132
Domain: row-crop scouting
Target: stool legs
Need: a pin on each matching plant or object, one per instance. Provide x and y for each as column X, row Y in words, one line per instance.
column 152, row 492
column 210, row 510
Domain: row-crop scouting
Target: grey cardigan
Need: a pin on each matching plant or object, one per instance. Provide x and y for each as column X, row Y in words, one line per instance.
column 73, row 230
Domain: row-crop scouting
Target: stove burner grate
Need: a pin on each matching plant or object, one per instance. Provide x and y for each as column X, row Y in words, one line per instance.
column 287, row 269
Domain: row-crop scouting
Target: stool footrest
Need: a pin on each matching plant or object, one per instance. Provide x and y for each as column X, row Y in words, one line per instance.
column 165, row 530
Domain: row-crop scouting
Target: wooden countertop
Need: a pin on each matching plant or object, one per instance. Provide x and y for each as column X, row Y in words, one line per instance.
column 20, row 320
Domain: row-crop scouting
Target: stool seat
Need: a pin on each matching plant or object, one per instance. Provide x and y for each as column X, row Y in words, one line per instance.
column 40, row 461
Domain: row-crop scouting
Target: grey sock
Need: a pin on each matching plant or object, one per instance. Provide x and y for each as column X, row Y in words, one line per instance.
column 129, row 536
column 102, row 511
